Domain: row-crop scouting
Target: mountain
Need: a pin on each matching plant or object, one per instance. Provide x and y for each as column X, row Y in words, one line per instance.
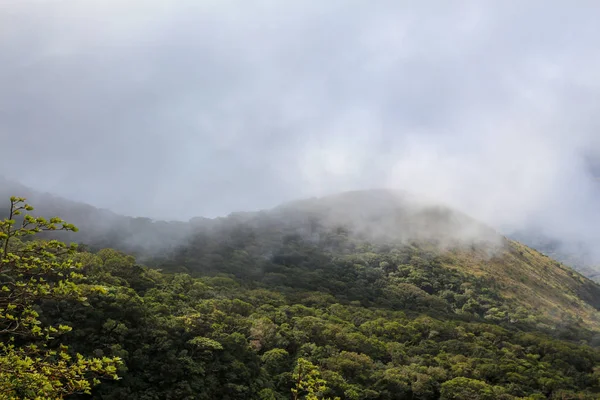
column 339, row 225
column 360, row 295
column 387, row 232
column 146, row 238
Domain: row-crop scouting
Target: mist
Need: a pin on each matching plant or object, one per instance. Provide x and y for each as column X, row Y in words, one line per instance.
column 178, row 109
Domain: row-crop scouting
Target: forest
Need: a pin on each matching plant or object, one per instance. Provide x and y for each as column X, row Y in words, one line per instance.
column 266, row 307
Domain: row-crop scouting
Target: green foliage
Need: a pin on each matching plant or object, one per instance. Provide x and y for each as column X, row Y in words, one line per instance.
column 29, row 372
column 308, row 383
column 207, row 338
column 31, row 272
column 251, row 312
column 465, row 388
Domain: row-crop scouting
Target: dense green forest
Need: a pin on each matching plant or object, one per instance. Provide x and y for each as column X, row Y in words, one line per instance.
column 296, row 304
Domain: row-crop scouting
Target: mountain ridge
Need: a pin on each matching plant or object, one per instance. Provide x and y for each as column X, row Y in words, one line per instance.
column 102, row 227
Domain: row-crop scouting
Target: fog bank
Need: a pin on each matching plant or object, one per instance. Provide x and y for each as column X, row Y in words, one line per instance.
column 178, row 109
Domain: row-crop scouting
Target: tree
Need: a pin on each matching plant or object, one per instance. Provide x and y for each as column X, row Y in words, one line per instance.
column 465, row 388
column 32, row 365
column 308, row 381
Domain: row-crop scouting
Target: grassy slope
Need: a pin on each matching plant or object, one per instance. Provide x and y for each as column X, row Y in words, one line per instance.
column 535, row 281
column 525, row 277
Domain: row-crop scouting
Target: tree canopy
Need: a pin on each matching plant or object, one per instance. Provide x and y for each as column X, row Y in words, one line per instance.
column 33, row 364
column 241, row 314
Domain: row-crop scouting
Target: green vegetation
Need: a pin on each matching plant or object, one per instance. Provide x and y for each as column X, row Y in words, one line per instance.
column 32, row 363
column 282, row 306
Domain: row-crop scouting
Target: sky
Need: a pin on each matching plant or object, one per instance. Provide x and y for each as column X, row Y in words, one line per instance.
column 200, row 108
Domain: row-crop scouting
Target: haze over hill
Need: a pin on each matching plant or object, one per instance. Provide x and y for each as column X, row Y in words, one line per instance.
column 374, row 214
column 377, row 214
column 176, row 110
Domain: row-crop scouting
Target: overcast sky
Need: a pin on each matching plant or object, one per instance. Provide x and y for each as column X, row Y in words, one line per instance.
column 173, row 109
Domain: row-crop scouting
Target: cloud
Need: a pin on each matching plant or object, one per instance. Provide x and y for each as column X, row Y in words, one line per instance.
column 219, row 106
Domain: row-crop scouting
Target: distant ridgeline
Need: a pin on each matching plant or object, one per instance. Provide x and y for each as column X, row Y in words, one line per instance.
column 362, row 295
column 99, row 228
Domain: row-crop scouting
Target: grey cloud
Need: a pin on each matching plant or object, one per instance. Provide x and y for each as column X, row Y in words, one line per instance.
column 219, row 106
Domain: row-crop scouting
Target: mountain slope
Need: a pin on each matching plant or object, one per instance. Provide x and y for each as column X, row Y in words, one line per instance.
column 334, row 227
column 379, row 295
column 575, row 254
column 527, row 278
column 392, row 238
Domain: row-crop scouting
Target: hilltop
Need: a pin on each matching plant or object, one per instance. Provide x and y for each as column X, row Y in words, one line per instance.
column 385, row 232
column 145, row 237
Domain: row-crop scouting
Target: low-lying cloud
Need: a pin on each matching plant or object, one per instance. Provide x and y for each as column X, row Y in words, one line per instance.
column 184, row 108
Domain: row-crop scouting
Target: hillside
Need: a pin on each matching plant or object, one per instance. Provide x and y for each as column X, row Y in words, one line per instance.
column 575, row 254
column 375, row 228
column 362, row 295
column 339, row 225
